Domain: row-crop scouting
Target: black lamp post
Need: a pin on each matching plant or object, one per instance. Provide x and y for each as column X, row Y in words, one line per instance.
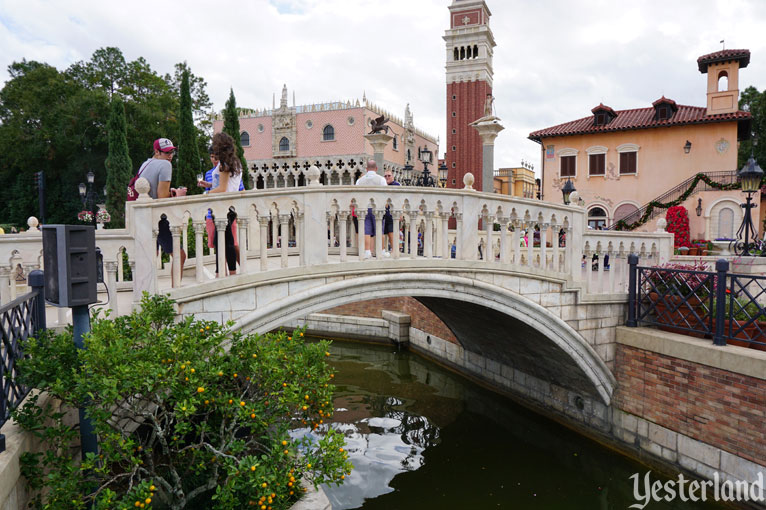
column 425, row 179
column 407, row 174
column 443, row 171
column 88, row 196
column 567, row 190
column 750, row 179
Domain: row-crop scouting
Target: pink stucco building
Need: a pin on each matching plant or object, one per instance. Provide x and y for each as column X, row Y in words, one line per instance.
column 282, row 143
column 621, row 160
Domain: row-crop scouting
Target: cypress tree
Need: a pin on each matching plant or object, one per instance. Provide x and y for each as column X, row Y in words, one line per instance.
column 188, row 165
column 119, row 167
column 231, row 127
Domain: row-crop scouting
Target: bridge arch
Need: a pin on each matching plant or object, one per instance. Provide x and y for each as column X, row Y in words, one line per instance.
column 535, row 340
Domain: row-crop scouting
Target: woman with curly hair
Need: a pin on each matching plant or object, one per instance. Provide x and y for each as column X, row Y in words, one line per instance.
column 228, row 175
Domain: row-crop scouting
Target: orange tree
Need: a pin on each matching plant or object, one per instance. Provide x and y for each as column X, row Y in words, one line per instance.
column 188, row 414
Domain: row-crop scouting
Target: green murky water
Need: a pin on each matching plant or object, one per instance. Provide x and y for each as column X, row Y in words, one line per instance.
column 422, row 437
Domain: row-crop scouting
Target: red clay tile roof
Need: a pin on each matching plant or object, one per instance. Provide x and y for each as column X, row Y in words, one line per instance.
column 722, row 56
column 664, row 99
column 639, row 118
column 602, row 106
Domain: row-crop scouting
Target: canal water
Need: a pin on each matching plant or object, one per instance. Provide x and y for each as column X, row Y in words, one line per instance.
column 422, row 437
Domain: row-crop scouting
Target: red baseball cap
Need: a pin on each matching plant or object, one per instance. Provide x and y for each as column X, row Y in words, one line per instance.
column 164, row 145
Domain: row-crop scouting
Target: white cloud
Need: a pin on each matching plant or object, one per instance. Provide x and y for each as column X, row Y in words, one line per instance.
column 554, row 60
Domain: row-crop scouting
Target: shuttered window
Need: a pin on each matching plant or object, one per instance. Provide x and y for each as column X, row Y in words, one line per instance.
column 568, row 166
column 597, row 164
column 627, row 163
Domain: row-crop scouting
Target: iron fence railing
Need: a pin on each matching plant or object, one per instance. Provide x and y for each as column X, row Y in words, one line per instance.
column 20, row 319
column 729, row 308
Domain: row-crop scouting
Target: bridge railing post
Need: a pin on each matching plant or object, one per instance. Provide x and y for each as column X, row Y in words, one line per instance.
column 721, row 267
column 632, row 290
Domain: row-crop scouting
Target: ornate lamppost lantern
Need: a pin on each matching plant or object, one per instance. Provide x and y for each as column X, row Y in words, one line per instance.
column 407, row 174
column 750, row 180
column 567, row 191
column 425, row 179
column 443, row 171
column 88, row 197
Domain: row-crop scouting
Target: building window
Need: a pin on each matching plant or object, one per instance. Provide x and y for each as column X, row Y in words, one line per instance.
column 260, row 128
column 456, row 54
column 627, row 163
column 475, row 50
column 454, row 165
column 409, row 155
column 597, row 218
column 350, row 121
column 723, row 81
column 454, row 97
column 328, row 133
column 568, row 166
column 396, row 143
column 309, row 124
column 244, row 139
column 625, row 211
column 284, row 144
column 596, row 164
column 454, row 114
column 454, row 148
column 454, row 131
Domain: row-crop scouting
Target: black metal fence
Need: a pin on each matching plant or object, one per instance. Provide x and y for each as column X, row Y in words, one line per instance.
column 725, row 307
column 20, row 319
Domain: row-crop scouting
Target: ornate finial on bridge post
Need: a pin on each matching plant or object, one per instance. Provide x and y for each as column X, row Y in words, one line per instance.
column 468, row 180
column 313, row 176
column 661, row 224
column 142, row 187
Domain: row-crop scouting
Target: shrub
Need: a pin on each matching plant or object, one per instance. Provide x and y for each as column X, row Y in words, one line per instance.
column 187, row 414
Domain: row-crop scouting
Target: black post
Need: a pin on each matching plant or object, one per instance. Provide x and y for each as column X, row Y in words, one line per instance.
column 632, row 289
column 721, row 267
column 81, row 327
column 36, row 280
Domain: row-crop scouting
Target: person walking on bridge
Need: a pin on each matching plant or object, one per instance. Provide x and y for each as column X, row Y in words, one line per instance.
column 371, row 178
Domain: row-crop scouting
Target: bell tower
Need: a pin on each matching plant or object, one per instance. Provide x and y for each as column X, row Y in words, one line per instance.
column 469, row 48
column 722, row 68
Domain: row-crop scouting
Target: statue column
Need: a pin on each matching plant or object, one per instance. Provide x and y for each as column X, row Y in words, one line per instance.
column 488, row 128
column 378, row 142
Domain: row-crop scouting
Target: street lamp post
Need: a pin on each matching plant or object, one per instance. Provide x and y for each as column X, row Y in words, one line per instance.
column 443, row 172
column 750, row 179
column 88, row 196
column 425, row 179
column 567, row 190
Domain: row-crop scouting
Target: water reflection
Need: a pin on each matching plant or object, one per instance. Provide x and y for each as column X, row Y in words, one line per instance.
column 421, row 437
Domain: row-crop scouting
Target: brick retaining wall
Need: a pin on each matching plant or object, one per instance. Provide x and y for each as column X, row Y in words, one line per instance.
column 422, row 318
column 709, row 404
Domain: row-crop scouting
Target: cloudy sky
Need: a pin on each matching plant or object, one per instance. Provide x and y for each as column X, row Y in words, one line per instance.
column 554, row 60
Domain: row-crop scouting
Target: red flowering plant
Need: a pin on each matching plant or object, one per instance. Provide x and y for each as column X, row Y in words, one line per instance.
column 684, row 280
column 678, row 223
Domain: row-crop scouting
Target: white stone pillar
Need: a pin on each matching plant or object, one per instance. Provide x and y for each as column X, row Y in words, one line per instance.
column 555, row 243
column 5, row 285
column 111, row 283
column 274, row 231
column 332, row 229
column 379, row 142
column 489, row 255
column 459, row 249
column 185, row 235
column 199, row 230
column 354, row 238
column 243, row 227
column 284, row 222
column 488, row 128
column 413, row 237
column 504, row 255
column 175, row 267
column 378, row 232
column 516, row 242
column 397, row 216
column 120, row 270
column 543, row 247
column 263, row 221
column 361, row 216
column 530, row 230
column 220, row 251
column 428, row 241
column 343, row 234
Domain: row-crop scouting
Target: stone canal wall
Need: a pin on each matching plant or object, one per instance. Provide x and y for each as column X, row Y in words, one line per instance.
column 679, row 402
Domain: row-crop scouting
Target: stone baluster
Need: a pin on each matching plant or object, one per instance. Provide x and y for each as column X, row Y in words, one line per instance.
column 379, row 246
column 220, row 251
column 361, row 215
column 284, row 227
column 601, row 257
column 185, row 235
column 274, row 231
column 530, row 230
column 459, row 248
column 263, row 221
column 555, row 244
column 111, row 284
column 569, row 263
column 516, row 242
column 5, row 285
column 428, row 241
column 489, row 227
column 354, row 238
column 504, row 253
column 331, row 219
column 413, row 237
column 243, row 228
column 543, row 246
column 588, row 261
column 446, row 252
column 157, row 263
column 397, row 217
column 613, row 265
column 199, row 230
column 343, row 234
column 120, row 270
column 176, row 270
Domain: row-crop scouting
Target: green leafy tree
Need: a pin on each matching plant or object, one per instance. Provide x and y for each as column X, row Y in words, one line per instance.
column 188, row 414
column 231, row 127
column 754, row 102
column 119, row 167
column 188, row 163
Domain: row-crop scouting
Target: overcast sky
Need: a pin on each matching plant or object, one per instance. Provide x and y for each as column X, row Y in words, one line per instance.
column 554, row 60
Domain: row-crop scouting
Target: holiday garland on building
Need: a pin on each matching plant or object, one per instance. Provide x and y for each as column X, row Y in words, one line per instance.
column 623, row 225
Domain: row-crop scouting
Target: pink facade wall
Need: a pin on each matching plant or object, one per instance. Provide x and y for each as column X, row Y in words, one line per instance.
column 348, row 138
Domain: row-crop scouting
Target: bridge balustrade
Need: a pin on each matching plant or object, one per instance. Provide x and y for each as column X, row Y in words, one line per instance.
column 312, row 225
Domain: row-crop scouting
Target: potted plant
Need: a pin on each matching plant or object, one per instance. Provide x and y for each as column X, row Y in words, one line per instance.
column 678, row 294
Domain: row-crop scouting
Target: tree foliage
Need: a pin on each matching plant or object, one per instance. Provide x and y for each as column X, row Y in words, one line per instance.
column 754, row 102
column 56, row 121
column 188, row 414
column 188, row 163
column 119, row 167
column 231, row 127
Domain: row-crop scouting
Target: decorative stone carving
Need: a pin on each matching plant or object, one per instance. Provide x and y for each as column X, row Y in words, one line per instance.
column 468, row 181
column 142, row 187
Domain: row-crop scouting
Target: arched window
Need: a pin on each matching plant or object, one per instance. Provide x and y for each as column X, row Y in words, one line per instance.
column 328, row 133
column 475, row 50
column 456, row 54
column 284, row 144
column 723, row 81
column 468, row 52
column 597, row 218
column 624, row 211
column 409, row 156
column 396, row 143
column 462, row 52
column 244, row 139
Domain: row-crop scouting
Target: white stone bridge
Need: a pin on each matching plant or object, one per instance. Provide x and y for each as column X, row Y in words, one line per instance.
column 548, row 307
